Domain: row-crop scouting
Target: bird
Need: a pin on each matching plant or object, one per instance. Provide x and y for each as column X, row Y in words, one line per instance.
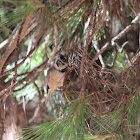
column 56, row 75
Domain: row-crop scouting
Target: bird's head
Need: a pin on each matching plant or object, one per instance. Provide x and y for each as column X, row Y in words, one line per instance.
column 61, row 62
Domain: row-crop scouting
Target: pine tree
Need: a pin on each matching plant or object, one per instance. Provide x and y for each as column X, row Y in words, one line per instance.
column 100, row 99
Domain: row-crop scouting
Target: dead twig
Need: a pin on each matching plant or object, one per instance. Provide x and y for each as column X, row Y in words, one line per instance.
column 100, row 56
column 99, row 53
column 36, row 112
column 119, row 36
column 40, row 103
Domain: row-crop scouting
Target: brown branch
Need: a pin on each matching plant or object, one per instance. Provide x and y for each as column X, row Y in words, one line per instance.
column 56, row 36
column 126, row 30
column 17, row 54
column 57, row 20
column 68, row 45
column 31, row 74
column 16, row 59
column 12, row 44
column 4, row 45
column 55, row 52
column 40, row 28
column 11, row 47
column 40, row 103
column 27, row 84
column 100, row 58
column 81, row 95
column 119, row 36
column 25, row 25
column 27, row 36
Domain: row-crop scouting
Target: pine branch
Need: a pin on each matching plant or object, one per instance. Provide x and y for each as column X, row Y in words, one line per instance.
column 25, row 25
column 11, row 47
column 119, row 36
column 126, row 30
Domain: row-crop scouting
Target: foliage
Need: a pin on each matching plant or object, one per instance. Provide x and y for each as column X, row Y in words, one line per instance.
column 100, row 38
column 71, row 125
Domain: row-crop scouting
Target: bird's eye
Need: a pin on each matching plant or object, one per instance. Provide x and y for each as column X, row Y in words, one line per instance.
column 58, row 62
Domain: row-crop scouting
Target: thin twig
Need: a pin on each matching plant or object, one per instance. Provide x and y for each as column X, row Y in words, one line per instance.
column 25, row 25
column 115, row 58
column 56, row 36
column 90, row 23
column 126, row 30
column 36, row 112
column 101, row 51
column 56, row 43
column 40, row 103
column 100, row 56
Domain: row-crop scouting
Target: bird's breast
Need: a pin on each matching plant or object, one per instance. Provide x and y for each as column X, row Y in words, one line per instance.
column 56, row 79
